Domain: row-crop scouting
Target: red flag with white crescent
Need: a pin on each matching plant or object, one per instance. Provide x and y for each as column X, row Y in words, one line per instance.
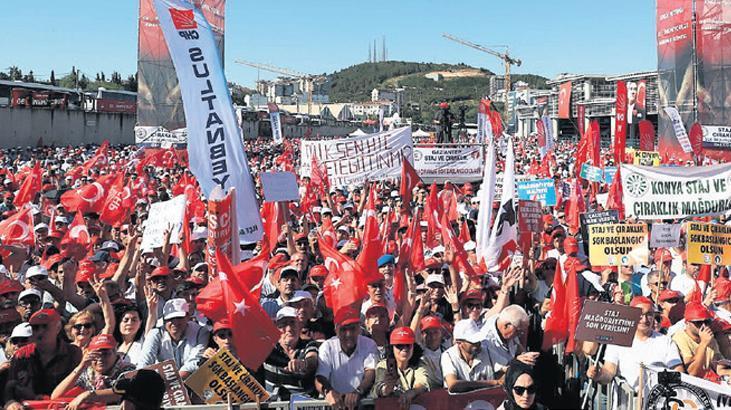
column 77, row 240
column 30, row 187
column 18, row 229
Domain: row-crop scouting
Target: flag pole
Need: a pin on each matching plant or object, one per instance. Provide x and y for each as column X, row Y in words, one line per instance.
column 592, row 384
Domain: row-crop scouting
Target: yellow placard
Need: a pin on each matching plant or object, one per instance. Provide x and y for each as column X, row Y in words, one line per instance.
column 223, row 374
column 648, row 158
column 709, row 243
column 618, row 244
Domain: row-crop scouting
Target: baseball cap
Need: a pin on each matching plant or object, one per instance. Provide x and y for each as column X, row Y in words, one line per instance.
column 430, row 322
column 662, row 256
column 570, row 244
column 30, row 292
column 199, row 233
column 9, row 286
column 100, row 256
column 288, row 271
column 640, row 300
column 402, row 336
column 22, row 330
column 696, row 311
column 472, row 294
column 469, row 246
column 669, row 294
column 110, row 246
column 300, row 295
column 36, row 270
column 347, row 315
column 174, row 308
column 145, row 388
column 386, row 259
column 286, row 312
column 160, row 271
column 468, row 331
column 221, row 324
column 437, row 249
column 40, row 226
column 325, row 210
column 434, row 278
column 318, row 271
column 44, row 317
column 102, row 341
column 199, row 265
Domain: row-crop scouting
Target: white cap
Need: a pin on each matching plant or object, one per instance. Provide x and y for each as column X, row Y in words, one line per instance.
column 110, row 245
column 175, row 308
column 28, row 292
column 22, row 330
column 8, row 181
column 300, row 295
column 475, row 199
column 61, row 219
column 470, row 246
column 200, row 232
column 385, row 209
column 434, row 278
column 437, row 249
column 394, row 194
column 316, row 209
column 468, row 331
column 4, row 270
column 41, row 225
column 286, row 312
column 343, row 228
column 36, row 270
column 325, row 210
column 35, row 209
column 423, row 224
column 336, row 219
column 199, row 265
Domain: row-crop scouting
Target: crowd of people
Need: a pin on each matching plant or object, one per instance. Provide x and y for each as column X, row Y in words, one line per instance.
column 73, row 324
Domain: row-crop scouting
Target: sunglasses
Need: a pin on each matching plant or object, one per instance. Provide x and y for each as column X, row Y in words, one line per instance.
column 224, row 334
column 471, row 306
column 699, row 323
column 521, row 390
column 80, row 326
column 403, row 347
column 19, row 340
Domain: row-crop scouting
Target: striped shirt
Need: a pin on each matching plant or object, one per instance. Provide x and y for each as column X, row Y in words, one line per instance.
column 278, row 381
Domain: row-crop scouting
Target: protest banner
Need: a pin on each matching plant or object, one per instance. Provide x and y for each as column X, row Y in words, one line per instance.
column 352, row 160
column 529, row 216
column 609, row 173
column 489, row 398
column 688, row 392
column 708, row 243
column 680, row 133
column 593, row 218
column 221, row 232
column 163, row 215
column 216, row 154
column 222, row 375
column 716, row 137
column 675, row 193
column 542, row 190
column 175, row 392
column 665, row 235
column 279, row 186
column 647, row 158
column 608, row 323
column 591, row 173
column 456, row 164
column 618, row 244
column 276, row 123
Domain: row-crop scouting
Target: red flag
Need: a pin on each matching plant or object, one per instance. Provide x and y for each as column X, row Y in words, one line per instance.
column 343, row 285
column 582, row 151
column 115, row 212
column 409, row 180
column 620, row 133
column 541, row 135
column 448, row 201
column 574, row 207
column 696, row 138
column 573, row 306
column 432, row 210
column 594, row 145
column 647, row 135
column 614, row 199
column 327, row 232
column 255, row 334
column 564, row 101
column 88, row 198
column 496, row 122
column 99, row 158
column 411, row 252
column 372, row 246
column 581, row 118
column 252, row 272
column 464, row 232
column 460, row 256
column 272, row 216
column 557, row 324
column 208, row 301
column 30, row 187
column 18, row 229
column 77, row 241
column 319, row 177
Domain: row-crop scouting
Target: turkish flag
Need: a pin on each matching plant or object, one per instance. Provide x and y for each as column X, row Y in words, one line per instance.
column 327, row 232
column 252, row 272
column 114, row 212
column 573, row 306
column 464, row 232
column 318, row 176
column 99, row 158
column 272, row 216
column 696, row 138
column 77, row 240
column 18, row 229
column 564, row 101
column 448, row 201
column 88, row 198
column 409, row 180
column 556, row 329
column 411, row 252
column 254, row 332
column 344, row 284
column 647, row 135
column 432, row 211
column 30, row 187
column 460, row 255
column 574, row 207
column 620, row 131
column 614, row 200
column 372, row 246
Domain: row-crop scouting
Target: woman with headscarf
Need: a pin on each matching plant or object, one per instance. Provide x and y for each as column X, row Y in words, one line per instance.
column 520, row 385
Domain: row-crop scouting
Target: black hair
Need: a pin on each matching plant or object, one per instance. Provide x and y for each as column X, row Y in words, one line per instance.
column 119, row 311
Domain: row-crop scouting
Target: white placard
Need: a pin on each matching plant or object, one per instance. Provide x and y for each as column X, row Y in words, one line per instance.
column 280, row 186
column 665, row 235
column 163, row 215
column 679, row 128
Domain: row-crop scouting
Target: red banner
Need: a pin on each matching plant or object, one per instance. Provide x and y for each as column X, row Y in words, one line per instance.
column 647, row 136
column 581, row 118
column 441, row 399
column 221, row 232
column 620, row 121
column 564, row 101
column 696, row 138
column 108, row 105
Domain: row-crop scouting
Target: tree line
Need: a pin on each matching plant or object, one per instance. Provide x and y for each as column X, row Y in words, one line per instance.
column 74, row 79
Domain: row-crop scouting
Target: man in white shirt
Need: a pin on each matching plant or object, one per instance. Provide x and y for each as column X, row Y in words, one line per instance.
column 347, row 362
column 502, row 338
column 685, row 283
column 648, row 347
column 466, row 366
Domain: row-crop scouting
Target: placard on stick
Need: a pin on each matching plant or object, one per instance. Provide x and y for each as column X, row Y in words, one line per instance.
column 529, row 216
column 608, row 323
column 280, row 186
column 618, row 244
column 223, row 374
column 709, row 243
column 175, row 392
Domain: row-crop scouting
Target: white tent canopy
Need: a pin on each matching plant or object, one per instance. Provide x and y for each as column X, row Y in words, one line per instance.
column 357, row 133
column 420, row 133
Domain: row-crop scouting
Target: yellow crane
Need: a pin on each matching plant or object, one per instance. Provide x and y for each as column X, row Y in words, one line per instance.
column 309, row 79
column 507, row 60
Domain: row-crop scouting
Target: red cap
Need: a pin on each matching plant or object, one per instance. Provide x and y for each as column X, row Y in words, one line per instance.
column 318, row 271
column 52, row 260
column 696, row 311
column 161, row 271
column 547, row 218
column 299, row 236
column 8, row 286
column 723, row 289
column 570, row 245
column 347, row 315
column 84, row 275
column 640, row 300
column 102, row 341
column 472, row 294
column 402, row 336
column 669, row 294
column 221, row 324
column 662, row 256
column 430, row 322
column 44, row 317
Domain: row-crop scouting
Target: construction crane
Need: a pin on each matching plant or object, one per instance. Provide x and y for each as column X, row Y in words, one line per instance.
column 507, row 60
column 308, row 79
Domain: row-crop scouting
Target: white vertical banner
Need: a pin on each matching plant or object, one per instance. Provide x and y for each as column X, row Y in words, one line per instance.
column 481, row 118
column 548, row 128
column 215, row 150
column 486, row 194
column 380, row 119
column 276, row 123
column 679, row 129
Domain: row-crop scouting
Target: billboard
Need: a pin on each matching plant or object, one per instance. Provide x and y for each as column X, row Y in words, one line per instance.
column 159, row 105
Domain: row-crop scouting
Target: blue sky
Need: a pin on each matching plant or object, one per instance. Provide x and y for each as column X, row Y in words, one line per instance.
column 551, row 37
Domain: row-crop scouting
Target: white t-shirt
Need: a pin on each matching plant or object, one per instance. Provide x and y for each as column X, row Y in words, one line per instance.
column 452, row 363
column 501, row 353
column 344, row 372
column 684, row 284
column 658, row 350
